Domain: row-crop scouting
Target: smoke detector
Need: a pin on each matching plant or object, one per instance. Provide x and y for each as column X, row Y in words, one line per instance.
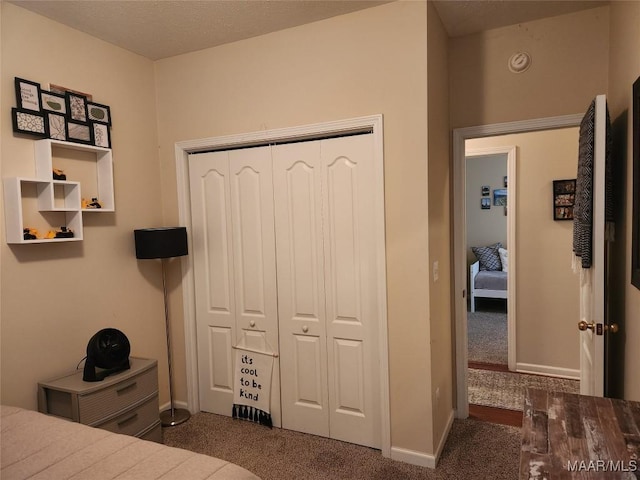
column 519, row 62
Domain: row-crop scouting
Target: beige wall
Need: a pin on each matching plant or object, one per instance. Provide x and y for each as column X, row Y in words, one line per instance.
column 439, row 187
column 547, row 290
column 624, row 70
column 570, row 63
column 56, row 296
column 485, row 227
column 343, row 67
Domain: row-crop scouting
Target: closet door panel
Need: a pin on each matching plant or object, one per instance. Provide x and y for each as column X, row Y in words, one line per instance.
column 298, row 224
column 349, row 267
column 251, row 192
column 211, row 237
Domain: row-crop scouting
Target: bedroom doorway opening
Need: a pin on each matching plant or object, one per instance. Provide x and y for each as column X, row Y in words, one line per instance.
column 540, row 258
column 487, row 255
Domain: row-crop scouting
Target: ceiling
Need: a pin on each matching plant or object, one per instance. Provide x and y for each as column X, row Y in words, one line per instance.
column 163, row 28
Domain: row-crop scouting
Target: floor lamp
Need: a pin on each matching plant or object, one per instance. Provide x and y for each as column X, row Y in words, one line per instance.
column 164, row 243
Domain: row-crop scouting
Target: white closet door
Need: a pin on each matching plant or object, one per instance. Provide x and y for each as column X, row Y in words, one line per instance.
column 350, row 288
column 324, row 198
column 298, row 202
column 254, row 257
column 234, row 268
column 211, row 236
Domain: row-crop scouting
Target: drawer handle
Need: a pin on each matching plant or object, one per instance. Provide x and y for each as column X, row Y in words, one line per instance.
column 129, row 419
column 126, row 388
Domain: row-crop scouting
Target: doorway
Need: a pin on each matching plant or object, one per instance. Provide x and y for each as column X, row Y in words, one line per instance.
column 460, row 251
column 490, row 254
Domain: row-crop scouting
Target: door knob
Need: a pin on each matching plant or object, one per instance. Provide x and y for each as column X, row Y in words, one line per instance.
column 305, row 329
column 252, row 323
column 598, row 328
column 584, row 326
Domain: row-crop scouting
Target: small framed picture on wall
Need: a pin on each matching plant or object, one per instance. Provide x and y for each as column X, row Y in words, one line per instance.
column 564, row 197
column 27, row 94
column 76, row 106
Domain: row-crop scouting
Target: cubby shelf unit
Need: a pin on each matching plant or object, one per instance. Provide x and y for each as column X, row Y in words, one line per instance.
column 60, row 197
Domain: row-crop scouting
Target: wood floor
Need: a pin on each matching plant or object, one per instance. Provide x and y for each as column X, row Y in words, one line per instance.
column 495, row 415
column 501, row 416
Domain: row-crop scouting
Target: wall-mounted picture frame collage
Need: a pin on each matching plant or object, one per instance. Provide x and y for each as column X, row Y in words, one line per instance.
column 60, row 114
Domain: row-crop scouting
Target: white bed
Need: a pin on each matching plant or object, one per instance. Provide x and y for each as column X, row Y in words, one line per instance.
column 486, row 284
column 38, row 446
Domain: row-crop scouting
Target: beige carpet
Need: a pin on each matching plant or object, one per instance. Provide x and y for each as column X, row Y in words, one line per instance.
column 506, row 389
column 474, row 450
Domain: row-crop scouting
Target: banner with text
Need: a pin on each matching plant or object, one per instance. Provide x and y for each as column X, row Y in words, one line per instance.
column 252, row 386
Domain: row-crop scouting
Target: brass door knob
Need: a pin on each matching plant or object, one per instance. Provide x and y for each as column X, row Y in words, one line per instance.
column 584, row 326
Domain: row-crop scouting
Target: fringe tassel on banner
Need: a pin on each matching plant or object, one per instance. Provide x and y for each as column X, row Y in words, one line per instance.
column 252, row 415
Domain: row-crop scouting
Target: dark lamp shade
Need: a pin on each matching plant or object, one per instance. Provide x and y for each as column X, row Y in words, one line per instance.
column 164, row 242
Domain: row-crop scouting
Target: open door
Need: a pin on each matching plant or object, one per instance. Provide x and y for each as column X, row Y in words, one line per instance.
column 592, row 261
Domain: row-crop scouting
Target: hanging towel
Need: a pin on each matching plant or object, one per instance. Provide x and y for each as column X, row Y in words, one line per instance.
column 583, row 208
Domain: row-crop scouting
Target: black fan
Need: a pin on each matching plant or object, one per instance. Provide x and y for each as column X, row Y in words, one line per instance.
column 108, row 350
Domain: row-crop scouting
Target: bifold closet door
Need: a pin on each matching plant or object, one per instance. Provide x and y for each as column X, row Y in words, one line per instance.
column 327, row 277
column 234, row 267
column 301, row 298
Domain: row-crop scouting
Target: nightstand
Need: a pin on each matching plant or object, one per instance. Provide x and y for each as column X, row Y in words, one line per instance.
column 126, row 402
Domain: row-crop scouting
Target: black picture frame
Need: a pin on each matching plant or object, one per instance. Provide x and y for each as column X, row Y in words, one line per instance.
column 27, row 95
column 76, row 107
column 635, row 217
column 101, row 134
column 79, row 132
column 564, row 198
column 53, row 102
column 28, row 122
column 57, row 126
column 485, row 203
column 96, row 112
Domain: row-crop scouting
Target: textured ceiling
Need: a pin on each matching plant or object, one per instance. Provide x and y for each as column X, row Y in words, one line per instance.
column 463, row 17
column 163, row 28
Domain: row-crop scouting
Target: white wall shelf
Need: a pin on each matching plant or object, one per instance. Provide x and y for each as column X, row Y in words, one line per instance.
column 58, row 201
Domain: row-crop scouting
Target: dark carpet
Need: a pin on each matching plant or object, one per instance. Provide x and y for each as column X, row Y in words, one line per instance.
column 474, row 450
column 487, row 337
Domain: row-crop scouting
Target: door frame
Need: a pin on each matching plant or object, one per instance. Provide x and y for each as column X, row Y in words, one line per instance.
column 510, row 151
column 460, row 135
column 369, row 124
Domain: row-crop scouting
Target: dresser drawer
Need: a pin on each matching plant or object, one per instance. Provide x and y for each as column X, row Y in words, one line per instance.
column 135, row 420
column 101, row 404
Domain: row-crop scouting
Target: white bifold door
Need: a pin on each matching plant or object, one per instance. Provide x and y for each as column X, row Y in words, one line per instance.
column 285, row 255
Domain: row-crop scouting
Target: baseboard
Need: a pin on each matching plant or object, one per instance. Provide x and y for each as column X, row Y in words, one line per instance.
column 422, row 459
column 445, row 435
column 548, row 371
column 413, row 457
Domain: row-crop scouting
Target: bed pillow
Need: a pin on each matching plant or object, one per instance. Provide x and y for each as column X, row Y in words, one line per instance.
column 488, row 257
column 504, row 258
